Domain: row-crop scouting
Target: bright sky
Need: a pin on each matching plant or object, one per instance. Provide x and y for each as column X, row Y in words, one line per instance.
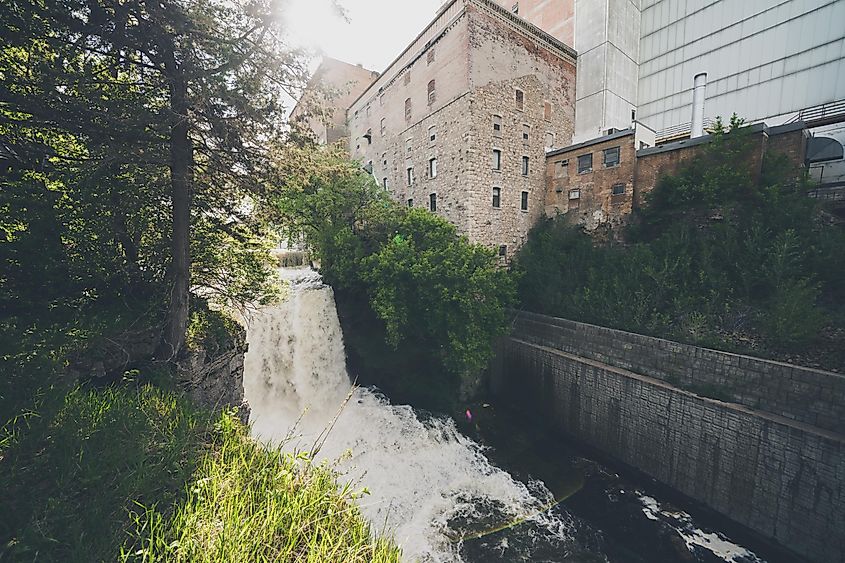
column 376, row 33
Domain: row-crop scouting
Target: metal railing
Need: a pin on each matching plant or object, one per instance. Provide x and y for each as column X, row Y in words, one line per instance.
column 824, row 112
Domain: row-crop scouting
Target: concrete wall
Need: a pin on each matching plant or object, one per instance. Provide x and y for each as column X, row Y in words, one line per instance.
column 781, row 478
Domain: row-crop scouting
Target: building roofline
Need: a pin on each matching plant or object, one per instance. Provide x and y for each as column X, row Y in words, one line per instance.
column 486, row 4
column 312, row 80
column 683, row 143
column 597, row 140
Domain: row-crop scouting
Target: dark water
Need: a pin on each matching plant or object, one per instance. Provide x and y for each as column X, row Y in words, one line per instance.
column 611, row 514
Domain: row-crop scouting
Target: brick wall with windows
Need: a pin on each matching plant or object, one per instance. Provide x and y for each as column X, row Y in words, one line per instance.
column 592, row 183
column 599, row 182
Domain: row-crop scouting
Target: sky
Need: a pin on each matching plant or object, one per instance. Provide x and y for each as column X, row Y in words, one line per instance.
column 377, row 30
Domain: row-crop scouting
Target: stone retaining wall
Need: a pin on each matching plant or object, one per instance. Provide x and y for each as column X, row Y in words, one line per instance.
column 807, row 395
column 781, row 478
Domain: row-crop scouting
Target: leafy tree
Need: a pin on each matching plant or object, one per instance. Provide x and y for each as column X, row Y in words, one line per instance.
column 127, row 123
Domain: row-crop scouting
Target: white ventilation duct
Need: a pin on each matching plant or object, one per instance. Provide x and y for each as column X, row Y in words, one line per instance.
column 699, row 86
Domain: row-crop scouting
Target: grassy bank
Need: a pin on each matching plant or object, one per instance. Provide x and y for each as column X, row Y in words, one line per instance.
column 140, row 475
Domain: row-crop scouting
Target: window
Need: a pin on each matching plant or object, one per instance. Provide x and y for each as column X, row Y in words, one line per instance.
column 550, row 141
column 410, row 202
column 432, row 202
column 497, row 197
column 585, row 163
column 574, row 194
column 430, row 56
column 611, row 157
column 432, row 93
column 410, row 175
column 497, row 159
column 384, row 182
column 383, row 126
column 368, row 110
column 369, row 136
column 407, row 77
column 525, row 166
column 409, row 143
column 520, row 100
column 562, row 167
column 408, row 109
column 432, row 134
column 547, row 111
column 497, row 125
column 524, row 202
column 432, row 168
column 526, row 132
column 618, row 189
column 384, row 159
column 503, row 250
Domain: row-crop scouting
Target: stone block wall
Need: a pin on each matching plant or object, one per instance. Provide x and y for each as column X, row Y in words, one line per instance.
column 588, row 198
column 802, row 394
column 781, row 478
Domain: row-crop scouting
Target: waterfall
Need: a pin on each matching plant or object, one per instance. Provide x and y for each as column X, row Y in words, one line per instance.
column 429, row 484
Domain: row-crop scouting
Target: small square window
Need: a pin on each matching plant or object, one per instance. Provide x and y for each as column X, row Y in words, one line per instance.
column 432, row 202
column 497, row 125
column 497, row 159
column 497, row 197
column 432, row 134
column 618, row 189
column 524, row 202
column 574, row 194
column 410, row 202
column 503, row 250
column 585, row 163
column 520, row 100
column 525, row 166
column 611, row 157
column 562, row 167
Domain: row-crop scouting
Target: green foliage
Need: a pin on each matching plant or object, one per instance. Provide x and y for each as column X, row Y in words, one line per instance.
column 430, row 287
column 139, row 475
column 717, row 257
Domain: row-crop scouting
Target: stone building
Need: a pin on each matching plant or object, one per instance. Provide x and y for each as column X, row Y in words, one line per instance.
column 598, row 183
column 460, row 122
column 333, row 86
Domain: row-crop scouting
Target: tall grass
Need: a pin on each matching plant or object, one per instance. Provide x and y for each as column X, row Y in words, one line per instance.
column 141, row 475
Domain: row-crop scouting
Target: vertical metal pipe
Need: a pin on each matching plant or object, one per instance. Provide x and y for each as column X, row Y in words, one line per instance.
column 698, row 95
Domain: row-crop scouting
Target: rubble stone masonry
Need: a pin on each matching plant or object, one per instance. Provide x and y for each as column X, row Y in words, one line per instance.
column 757, row 463
column 477, row 80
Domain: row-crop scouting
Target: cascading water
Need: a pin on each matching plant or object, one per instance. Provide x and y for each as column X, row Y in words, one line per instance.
column 430, row 485
column 424, row 476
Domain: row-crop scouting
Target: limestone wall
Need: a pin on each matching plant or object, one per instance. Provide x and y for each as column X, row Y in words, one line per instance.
column 803, row 394
column 781, row 478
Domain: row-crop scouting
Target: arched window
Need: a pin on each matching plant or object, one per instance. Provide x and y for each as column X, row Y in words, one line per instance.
column 432, row 93
column 408, row 109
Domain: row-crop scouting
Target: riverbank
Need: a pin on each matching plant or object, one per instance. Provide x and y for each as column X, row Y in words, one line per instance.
column 140, row 474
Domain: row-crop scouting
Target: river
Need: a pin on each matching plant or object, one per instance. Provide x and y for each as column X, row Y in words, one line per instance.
column 490, row 489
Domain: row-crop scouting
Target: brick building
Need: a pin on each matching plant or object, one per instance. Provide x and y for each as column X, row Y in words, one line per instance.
column 333, row 86
column 599, row 183
column 460, row 122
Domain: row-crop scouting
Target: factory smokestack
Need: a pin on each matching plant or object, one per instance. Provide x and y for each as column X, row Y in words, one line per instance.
column 699, row 86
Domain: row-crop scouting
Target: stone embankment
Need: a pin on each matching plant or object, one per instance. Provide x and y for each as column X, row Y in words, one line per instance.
column 769, row 452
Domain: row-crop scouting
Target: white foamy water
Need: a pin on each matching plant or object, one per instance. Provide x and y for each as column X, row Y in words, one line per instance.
column 422, row 474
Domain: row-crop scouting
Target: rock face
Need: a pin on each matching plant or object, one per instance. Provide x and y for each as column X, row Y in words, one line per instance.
column 216, row 381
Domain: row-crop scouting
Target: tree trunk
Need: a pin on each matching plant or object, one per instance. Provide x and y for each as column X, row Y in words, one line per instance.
column 181, row 178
